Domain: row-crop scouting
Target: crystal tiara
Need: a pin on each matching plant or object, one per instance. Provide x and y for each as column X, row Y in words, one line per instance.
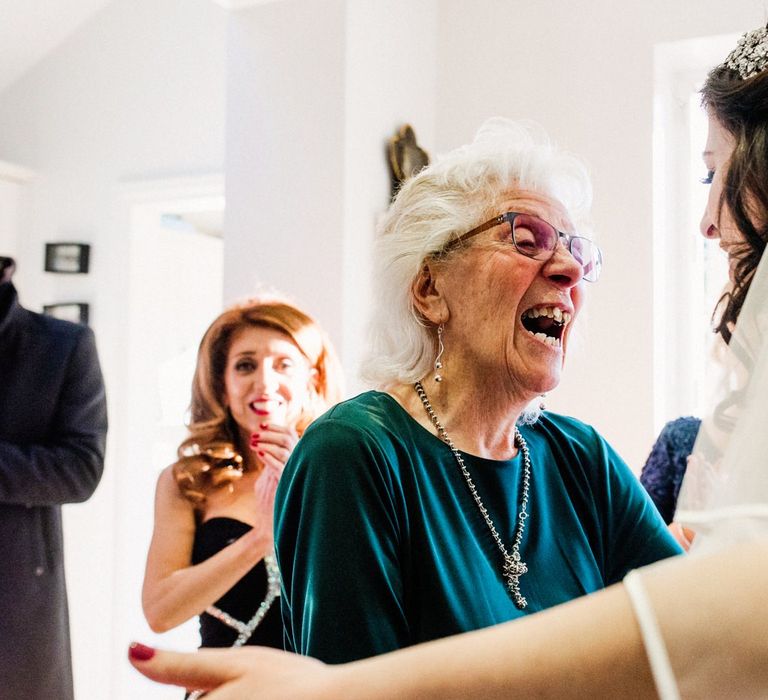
column 750, row 56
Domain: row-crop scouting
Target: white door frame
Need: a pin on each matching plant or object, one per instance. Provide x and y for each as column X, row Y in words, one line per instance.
column 139, row 203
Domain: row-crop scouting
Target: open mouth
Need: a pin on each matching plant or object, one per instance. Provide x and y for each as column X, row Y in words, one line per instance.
column 263, row 407
column 546, row 323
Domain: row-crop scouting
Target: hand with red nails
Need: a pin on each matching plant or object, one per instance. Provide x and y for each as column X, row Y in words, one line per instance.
column 240, row 674
column 273, row 444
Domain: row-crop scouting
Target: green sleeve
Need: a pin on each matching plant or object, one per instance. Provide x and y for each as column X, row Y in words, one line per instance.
column 338, row 533
column 634, row 532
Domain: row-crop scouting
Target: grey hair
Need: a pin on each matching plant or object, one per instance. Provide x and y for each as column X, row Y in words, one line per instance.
column 440, row 203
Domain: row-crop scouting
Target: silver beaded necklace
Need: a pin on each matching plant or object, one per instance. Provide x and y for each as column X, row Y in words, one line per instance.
column 514, row 566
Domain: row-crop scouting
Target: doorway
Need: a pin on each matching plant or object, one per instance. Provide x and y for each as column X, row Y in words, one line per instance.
column 174, row 292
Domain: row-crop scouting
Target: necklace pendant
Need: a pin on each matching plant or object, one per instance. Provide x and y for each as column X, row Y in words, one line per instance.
column 514, row 568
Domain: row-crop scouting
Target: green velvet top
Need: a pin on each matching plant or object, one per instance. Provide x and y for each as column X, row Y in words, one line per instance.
column 381, row 545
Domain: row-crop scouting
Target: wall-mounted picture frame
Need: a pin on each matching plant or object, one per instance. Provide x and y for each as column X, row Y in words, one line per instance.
column 77, row 312
column 67, row 258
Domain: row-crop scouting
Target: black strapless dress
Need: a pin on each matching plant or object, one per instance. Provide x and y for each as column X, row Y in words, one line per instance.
column 241, row 603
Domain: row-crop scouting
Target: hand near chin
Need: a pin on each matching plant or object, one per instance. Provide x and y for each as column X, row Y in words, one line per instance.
column 273, row 445
column 236, row 673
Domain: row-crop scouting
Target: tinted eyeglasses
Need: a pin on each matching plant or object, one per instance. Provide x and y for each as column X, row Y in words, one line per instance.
column 537, row 239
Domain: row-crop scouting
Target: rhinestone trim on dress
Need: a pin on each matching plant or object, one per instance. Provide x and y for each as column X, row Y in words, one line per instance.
column 246, row 629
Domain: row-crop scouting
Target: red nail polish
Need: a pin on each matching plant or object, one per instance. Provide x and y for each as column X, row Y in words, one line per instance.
column 140, row 652
column 263, row 426
column 261, row 454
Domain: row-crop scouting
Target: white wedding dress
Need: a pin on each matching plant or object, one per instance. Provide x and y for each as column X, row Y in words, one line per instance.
column 724, row 495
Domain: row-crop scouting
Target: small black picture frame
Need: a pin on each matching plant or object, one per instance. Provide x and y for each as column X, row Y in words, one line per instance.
column 77, row 312
column 67, row 258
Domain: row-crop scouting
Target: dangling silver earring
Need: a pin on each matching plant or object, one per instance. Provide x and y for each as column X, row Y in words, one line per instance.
column 542, row 407
column 440, row 350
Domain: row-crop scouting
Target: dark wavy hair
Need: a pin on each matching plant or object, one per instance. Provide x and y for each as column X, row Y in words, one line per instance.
column 741, row 106
column 211, row 454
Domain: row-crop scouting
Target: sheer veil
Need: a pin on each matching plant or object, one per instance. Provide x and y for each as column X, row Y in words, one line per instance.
column 724, row 496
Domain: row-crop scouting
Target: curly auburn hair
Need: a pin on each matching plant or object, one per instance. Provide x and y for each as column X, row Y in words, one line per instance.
column 211, row 455
column 741, row 106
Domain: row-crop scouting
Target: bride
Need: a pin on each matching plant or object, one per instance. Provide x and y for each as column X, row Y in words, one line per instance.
column 691, row 627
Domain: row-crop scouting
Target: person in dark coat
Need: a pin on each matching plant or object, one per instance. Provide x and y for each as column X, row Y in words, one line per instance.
column 53, row 424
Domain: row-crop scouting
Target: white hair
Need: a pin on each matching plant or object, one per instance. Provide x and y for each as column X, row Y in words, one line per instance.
column 441, row 202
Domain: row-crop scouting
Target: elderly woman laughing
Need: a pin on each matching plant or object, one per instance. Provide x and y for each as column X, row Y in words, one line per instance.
column 442, row 503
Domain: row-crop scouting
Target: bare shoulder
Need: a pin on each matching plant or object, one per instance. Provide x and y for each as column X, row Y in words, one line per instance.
column 166, row 484
column 168, row 496
column 166, row 479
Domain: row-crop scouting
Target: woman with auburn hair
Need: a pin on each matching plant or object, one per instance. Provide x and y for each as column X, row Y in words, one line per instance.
column 264, row 371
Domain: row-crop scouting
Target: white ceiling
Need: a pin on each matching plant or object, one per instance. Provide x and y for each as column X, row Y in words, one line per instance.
column 29, row 29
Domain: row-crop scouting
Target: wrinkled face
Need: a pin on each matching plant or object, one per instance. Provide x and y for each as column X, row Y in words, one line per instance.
column 510, row 315
column 266, row 380
column 717, row 222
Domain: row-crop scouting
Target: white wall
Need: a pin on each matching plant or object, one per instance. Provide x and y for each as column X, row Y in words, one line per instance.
column 315, row 90
column 585, row 72
column 391, row 71
column 137, row 92
column 285, row 144
column 13, row 199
